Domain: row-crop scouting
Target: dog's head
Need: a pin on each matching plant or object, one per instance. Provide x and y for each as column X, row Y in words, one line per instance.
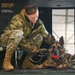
column 56, row 49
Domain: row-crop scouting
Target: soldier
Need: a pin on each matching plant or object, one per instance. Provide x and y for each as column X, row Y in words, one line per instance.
column 25, row 29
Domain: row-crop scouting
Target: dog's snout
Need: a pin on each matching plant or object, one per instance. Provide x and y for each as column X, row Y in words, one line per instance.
column 56, row 52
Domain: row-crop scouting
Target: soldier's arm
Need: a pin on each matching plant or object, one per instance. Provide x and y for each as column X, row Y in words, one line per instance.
column 46, row 35
column 42, row 30
column 15, row 23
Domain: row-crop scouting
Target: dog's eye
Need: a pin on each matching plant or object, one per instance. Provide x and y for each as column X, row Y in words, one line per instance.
column 52, row 47
column 59, row 47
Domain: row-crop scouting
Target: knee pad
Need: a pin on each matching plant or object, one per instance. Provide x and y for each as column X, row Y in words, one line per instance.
column 16, row 34
column 38, row 40
column 38, row 37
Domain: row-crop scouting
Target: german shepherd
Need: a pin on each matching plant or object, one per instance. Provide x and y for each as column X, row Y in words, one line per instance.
column 56, row 57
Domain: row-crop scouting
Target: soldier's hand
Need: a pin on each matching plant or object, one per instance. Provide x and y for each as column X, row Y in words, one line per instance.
column 36, row 51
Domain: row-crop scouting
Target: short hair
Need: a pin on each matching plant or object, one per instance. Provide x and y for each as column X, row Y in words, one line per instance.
column 30, row 8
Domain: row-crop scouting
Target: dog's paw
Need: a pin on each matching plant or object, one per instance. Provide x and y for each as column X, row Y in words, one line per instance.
column 60, row 67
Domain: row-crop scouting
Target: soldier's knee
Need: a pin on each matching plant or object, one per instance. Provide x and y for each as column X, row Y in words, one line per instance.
column 16, row 34
column 39, row 36
column 19, row 32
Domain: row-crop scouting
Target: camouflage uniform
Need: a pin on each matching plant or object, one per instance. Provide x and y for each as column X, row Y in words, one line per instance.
column 21, row 29
column 21, row 32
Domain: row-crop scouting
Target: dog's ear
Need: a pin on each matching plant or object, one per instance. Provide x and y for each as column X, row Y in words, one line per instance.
column 61, row 41
column 52, row 39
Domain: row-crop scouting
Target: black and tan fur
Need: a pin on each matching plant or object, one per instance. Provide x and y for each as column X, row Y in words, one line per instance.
column 57, row 47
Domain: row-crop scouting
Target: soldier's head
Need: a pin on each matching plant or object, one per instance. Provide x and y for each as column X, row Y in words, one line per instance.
column 31, row 11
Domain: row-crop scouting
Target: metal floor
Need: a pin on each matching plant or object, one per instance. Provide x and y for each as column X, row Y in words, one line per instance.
column 39, row 72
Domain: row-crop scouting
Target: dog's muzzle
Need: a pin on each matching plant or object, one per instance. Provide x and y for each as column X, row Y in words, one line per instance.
column 55, row 54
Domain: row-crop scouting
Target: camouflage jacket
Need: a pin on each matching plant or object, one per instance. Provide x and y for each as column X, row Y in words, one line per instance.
column 21, row 22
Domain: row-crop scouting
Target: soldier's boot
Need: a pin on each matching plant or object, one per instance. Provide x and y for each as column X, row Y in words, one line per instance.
column 10, row 48
column 7, row 66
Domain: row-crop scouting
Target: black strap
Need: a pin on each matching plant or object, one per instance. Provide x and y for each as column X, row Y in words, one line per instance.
column 37, row 24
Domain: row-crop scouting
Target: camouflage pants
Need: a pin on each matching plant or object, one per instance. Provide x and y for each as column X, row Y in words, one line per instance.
column 31, row 44
column 12, row 38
